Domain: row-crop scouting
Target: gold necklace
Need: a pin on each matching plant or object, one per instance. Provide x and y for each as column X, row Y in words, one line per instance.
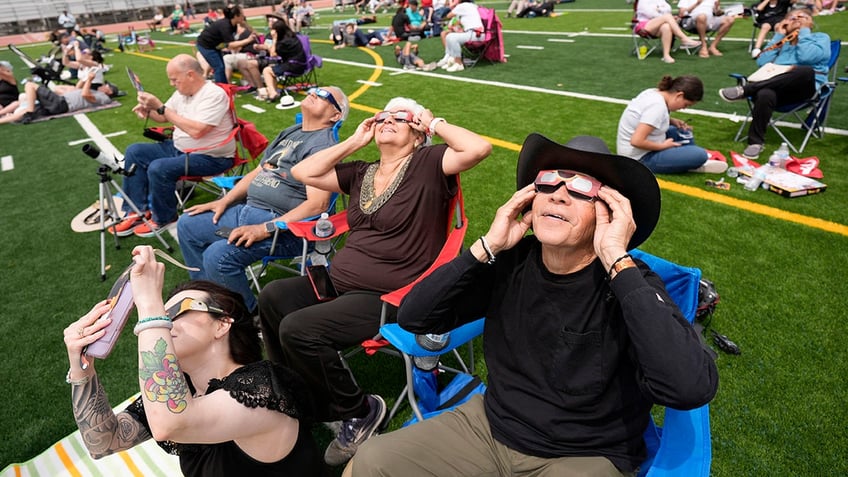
column 369, row 202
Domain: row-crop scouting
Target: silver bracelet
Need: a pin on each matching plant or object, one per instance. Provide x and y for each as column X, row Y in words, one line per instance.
column 76, row 382
column 153, row 322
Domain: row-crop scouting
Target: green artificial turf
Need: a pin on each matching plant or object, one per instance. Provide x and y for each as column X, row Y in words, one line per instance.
column 780, row 407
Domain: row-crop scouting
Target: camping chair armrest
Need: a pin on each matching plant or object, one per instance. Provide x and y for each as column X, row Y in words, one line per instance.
column 188, row 152
column 741, row 79
column 226, row 182
column 305, row 228
column 405, row 341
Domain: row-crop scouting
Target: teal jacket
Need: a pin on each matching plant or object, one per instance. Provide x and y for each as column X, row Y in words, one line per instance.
column 812, row 49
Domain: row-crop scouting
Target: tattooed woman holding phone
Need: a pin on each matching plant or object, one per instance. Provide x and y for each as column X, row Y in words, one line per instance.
column 206, row 394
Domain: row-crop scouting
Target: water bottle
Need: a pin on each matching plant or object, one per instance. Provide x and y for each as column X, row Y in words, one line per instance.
column 757, row 178
column 783, row 155
column 430, row 342
column 323, row 230
column 774, row 159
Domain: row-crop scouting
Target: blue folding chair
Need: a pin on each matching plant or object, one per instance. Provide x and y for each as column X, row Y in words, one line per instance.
column 682, row 446
column 811, row 114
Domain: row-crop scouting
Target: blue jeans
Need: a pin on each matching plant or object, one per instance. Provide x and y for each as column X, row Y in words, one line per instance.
column 222, row 262
column 438, row 14
column 675, row 160
column 158, row 168
column 216, row 62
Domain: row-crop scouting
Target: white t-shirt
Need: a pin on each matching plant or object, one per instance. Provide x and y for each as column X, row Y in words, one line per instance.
column 648, row 107
column 706, row 7
column 468, row 16
column 648, row 9
column 210, row 105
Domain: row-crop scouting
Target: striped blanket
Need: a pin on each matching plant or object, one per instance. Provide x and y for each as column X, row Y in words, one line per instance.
column 69, row 457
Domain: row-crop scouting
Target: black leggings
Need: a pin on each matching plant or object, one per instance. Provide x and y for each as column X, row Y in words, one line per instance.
column 304, row 334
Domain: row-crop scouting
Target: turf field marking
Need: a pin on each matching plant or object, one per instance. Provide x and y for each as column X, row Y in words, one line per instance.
column 100, row 140
column 6, row 163
column 255, row 109
column 88, row 139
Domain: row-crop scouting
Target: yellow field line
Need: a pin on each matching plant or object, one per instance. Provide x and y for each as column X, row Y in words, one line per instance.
column 752, row 207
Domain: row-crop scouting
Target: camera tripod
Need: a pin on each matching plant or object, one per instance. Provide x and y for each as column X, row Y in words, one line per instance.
column 109, row 211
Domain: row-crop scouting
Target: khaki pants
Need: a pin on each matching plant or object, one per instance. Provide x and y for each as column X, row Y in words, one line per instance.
column 460, row 443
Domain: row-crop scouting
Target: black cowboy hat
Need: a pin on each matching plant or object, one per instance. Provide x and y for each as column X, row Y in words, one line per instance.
column 591, row 156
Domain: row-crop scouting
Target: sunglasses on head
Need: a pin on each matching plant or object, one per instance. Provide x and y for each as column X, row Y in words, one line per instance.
column 190, row 304
column 579, row 185
column 326, row 96
column 397, row 116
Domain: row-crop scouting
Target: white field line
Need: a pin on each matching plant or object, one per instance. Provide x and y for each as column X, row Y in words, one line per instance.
column 735, row 118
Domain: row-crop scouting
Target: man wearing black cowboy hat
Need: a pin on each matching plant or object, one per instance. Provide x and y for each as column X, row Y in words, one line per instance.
column 581, row 340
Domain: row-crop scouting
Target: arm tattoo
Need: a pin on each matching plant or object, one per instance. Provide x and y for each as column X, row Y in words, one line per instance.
column 163, row 380
column 102, row 431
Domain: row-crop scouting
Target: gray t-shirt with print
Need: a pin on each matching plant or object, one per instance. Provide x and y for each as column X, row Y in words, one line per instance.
column 274, row 188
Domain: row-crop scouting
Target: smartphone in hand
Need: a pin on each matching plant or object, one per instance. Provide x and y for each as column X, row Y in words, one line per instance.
column 121, row 302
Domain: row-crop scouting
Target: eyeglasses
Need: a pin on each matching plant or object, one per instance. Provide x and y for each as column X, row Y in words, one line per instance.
column 326, row 96
column 398, row 116
column 190, row 304
column 579, row 186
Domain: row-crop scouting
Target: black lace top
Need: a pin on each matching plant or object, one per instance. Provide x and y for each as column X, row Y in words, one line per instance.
column 261, row 384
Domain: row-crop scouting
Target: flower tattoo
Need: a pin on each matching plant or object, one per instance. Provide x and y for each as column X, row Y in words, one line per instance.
column 163, row 380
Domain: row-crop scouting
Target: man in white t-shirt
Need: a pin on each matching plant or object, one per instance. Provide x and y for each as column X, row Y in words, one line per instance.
column 702, row 16
column 200, row 113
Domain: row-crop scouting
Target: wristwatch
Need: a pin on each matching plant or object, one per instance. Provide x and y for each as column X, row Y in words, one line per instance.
column 161, row 110
column 270, row 227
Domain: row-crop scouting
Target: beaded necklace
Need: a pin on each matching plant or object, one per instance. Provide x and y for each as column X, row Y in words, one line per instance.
column 368, row 202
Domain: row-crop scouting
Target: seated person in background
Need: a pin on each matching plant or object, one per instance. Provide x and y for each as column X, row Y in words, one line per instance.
column 440, row 10
column 158, row 18
column 302, row 16
column 67, row 21
column 599, row 338
column 267, row 194
column 654, row 18
column 702, row 16
column 176, row 16
column 408, row 58
column 649, row 135
column 239, row 58
column 211, row 16
column 468, row 26
column 8, row 89
column 398, row 217
column 200, row 113
column 517, row 6
column 767, row 14
column 545, row 9
column 39, row 101
column 794, row 44
column 205, row 341
column 400, row 24
column 417, row 23
column 291, row 58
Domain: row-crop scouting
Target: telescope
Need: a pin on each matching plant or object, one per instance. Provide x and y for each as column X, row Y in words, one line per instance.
column 110, row 162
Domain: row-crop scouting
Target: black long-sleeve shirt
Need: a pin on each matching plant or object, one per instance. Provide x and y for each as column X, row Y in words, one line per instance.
column 574, row 362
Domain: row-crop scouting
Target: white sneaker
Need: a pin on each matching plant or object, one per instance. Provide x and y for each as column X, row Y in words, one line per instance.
column 755, row 52
column 443, row 62
column 455, row 67
column 712, row 167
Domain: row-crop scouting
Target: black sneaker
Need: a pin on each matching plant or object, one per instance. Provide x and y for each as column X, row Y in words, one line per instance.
column 354, row 432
